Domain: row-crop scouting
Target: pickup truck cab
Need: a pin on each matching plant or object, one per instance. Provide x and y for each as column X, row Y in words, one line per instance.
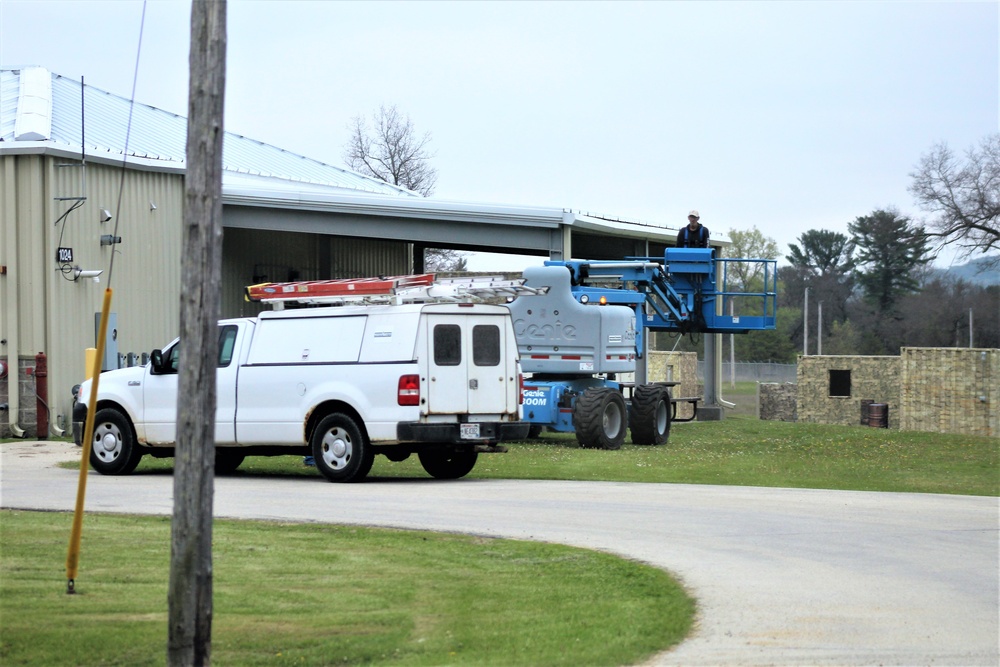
column 342, row 384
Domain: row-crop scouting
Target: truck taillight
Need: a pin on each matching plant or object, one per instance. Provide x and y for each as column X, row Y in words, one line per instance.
column 520, row 391
column 409, row 390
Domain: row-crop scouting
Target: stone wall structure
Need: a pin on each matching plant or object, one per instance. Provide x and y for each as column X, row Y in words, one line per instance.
column 831, row 388
column 679, row 367
column 777, row 401
column 27, row 414
column 950, row 390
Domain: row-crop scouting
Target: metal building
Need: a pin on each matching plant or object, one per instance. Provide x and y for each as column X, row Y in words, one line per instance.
column 91, row 182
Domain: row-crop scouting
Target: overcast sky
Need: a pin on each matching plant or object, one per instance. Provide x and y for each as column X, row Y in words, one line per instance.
column 784, row 116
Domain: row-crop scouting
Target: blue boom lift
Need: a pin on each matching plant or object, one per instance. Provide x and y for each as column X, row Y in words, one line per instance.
column 588, row 326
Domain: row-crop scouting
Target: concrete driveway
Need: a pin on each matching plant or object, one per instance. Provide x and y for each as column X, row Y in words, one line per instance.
column 782, row 576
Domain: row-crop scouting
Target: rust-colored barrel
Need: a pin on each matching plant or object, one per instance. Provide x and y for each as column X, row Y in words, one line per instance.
column 865, row 402
column 878, row 415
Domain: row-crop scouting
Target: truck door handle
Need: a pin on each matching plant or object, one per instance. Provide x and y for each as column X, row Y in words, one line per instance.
column 473, row 384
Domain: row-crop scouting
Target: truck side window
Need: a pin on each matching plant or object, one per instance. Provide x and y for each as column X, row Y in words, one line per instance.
column 486, row 345
column 447, row 344
column 227, row 341
column 174, row 360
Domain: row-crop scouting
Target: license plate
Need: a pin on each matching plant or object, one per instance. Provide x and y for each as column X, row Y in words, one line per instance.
column 469, row 431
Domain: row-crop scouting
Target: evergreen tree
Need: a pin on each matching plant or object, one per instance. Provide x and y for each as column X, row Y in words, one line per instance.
column 889, row 252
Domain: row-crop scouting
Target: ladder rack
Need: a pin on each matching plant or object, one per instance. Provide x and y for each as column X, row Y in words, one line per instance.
column 420, row 288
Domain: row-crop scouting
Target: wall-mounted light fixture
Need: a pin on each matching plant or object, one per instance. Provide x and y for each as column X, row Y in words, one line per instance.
column 86, row 273
column 105, row 215
column 152, row 206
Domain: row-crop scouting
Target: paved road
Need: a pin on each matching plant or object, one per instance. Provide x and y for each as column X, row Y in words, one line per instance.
column 782, row 576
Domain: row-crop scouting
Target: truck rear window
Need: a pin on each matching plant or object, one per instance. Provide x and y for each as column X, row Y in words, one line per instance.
column 486, row 345
column 447, row 344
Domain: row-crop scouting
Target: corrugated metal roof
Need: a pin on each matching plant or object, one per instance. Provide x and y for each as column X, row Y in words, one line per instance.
column 161, row 136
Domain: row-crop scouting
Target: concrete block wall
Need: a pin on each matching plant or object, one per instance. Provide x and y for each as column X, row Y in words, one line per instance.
column 874, row 378
column 676, row 367
column 27, row 413
column 777, row 401
column 951, row 390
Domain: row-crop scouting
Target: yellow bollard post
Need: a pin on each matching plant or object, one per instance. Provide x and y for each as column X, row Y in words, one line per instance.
column 89, row 362
column 73, row 554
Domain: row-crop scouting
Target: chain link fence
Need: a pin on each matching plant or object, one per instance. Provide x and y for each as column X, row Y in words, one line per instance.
column 752, row 372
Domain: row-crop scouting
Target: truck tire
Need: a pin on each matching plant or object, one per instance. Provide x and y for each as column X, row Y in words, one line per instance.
column 445, row 464
column 341, row 451
column 600, row 419
column 649, row 418
column 227, row 460
column 114, row 450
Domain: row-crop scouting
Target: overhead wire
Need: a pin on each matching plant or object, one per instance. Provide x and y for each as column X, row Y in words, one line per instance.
column 128, row 133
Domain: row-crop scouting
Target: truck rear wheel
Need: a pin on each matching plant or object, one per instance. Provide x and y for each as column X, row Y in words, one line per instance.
column 341, row 452
column 114, row 450
column 600, row 419
column 649, row 417
column 447, row 464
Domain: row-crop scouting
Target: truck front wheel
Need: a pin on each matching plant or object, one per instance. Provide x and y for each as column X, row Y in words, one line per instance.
column 227, row 460
column 340, row 449
column 444, row 464
column 113, row 450
column 600, row 419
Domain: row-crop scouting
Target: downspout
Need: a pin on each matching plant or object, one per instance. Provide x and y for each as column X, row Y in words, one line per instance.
column 718, row 374
column 10, row 302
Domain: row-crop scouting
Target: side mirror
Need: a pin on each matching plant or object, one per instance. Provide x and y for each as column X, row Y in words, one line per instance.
column 156, row 360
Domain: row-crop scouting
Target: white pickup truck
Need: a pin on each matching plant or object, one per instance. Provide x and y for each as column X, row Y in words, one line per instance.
column 341, row 384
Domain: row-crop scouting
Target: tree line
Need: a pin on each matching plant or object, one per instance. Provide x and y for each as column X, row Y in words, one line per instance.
column 874, row 286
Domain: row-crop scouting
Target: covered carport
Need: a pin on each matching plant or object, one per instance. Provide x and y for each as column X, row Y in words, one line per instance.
column 325, row 235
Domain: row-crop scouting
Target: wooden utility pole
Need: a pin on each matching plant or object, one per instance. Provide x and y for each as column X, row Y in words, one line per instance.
column 190, row 594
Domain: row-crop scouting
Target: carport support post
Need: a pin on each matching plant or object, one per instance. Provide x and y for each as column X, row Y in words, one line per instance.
column 189, row 594
column 711, row 410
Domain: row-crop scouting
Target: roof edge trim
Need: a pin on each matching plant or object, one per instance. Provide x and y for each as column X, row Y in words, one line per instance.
column 33, row 121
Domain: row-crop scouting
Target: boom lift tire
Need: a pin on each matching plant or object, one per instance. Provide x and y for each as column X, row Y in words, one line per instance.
column 114, row 450
column 445, row 464
column 649, row 417
column 340, row 449
column 600, row 418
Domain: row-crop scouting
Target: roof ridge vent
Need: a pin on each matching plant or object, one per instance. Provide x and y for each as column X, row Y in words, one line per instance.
column 33, row 121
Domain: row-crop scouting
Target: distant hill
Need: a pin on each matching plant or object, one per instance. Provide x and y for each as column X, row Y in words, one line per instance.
column 973, row 272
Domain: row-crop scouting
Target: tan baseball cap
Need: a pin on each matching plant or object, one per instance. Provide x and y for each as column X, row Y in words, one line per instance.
column 694, row 213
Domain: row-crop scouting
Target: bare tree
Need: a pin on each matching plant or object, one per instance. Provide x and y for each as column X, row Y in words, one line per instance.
column 964, row 196
column 190, row 590
column 391, row 151
column 444, row 259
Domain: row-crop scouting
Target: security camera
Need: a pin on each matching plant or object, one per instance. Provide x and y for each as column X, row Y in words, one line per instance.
column 83, row 273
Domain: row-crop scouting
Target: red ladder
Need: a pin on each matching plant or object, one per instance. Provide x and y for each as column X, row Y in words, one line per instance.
column 345, row 287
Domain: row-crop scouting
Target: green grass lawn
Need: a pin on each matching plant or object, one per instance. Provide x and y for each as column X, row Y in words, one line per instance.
column 294, row 594
column 735, row 451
